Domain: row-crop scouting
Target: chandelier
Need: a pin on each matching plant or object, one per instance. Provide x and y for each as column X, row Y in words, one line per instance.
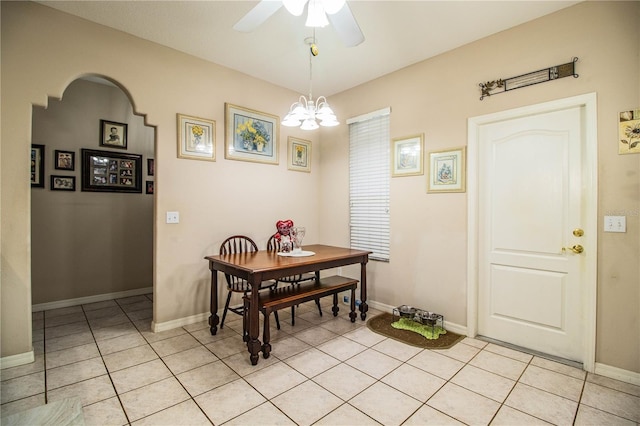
column 305, row 112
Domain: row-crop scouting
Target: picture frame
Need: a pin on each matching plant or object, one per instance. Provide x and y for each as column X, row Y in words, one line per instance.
column 629, row 132
column 108, row 171
column 113, row 134
column 447, row 170
column 407, row 156
column 64, row 160
column 63, row 183
column 151, row 167
column 299, row 154
column 37, row 166
column 196, row 138
column 251, row 135
column 149, row 187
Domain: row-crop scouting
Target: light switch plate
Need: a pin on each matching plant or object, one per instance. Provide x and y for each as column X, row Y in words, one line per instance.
column 615, row 224
column 173, row 217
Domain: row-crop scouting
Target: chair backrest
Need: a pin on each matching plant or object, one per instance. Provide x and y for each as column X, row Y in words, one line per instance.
column 273, row 245
column 237, row 244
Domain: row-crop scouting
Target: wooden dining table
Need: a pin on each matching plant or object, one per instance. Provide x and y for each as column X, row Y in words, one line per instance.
column 263, row 265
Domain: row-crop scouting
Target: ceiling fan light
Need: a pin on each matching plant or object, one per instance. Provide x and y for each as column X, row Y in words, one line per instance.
column 333, row 6
column 309, row 124
column 294, row 7
column 315, row 15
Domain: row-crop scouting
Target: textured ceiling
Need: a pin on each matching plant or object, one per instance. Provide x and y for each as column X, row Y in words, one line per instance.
column 397, row 34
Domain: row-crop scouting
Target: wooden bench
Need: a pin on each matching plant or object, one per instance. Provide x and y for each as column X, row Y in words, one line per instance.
column 285, row 297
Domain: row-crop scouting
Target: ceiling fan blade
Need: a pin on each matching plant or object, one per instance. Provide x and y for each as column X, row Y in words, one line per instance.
column 258, row 15
column 346, row 26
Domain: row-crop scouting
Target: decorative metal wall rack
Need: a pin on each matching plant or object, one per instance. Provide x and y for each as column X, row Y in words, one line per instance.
column 552, row 73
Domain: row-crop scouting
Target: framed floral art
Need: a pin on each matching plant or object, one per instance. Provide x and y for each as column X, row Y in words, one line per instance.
column 447, row 171
column 251, row 135
column 406, row 156
column 299, row 155
column 629, row 132
column 196, row 138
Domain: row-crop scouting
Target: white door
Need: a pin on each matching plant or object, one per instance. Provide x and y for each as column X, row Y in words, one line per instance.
column 533, row 218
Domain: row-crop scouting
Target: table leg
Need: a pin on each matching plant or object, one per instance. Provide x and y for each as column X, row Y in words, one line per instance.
column 266, row 335
column 213, row 304
column 363, row 291
column 253, row 345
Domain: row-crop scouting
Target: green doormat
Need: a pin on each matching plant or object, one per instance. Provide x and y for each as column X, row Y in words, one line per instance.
column 382, row 324
column 426, row 331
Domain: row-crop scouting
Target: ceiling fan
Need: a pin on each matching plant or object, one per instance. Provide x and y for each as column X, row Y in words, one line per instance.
column 319, row 13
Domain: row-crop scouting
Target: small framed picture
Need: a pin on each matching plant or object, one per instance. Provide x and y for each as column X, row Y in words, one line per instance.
column 37, row 166
column 299, row 154
column 149, row 187
column 406, row 156
column 151, row 167
column 63, row 183
column 447, row 171
column 64, row 160
column 113, row 135
column 196, row 138
column 250, row 135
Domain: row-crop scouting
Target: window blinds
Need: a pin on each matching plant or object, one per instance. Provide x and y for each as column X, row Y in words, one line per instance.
column 369, row 183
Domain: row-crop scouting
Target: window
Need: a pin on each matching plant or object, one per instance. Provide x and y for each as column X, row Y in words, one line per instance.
column 369, row 173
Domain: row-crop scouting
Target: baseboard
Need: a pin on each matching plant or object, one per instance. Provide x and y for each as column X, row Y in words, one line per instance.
column 448, row 325
column 16, row 360
column 89, row 299
column 180, row 322
column 618, row 374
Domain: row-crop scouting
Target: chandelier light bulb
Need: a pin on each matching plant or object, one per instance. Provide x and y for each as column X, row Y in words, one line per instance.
column 309, row 124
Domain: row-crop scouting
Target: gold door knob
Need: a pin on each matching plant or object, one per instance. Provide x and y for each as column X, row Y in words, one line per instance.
column 578, row 232
column 576, row 248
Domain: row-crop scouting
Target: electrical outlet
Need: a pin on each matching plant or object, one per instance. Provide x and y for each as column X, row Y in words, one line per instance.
column 173, row 217
column 615, row 224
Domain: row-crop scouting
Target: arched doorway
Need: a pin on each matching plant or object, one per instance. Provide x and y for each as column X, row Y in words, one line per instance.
column 92, row 223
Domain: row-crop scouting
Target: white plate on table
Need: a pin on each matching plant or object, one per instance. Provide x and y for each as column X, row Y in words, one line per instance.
column 302, row 253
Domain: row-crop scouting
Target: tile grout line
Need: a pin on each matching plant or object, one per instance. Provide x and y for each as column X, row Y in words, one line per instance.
column 105, row 365
column 528, row 364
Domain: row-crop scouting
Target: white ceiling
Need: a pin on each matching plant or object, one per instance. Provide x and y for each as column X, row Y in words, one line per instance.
column 397, row 34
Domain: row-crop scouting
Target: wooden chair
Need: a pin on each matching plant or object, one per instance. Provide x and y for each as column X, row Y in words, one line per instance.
column 241, row 244
column 274, row 245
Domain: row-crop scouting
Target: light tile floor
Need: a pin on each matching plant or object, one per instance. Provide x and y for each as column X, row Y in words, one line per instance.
column 324, row 371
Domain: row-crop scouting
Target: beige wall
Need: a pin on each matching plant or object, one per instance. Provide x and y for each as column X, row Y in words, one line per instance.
column 437, row 96
column 89, row 243
column 43, row 51
column 216, row 199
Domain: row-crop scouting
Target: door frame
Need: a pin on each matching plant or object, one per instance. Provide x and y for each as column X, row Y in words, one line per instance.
column 590, row 184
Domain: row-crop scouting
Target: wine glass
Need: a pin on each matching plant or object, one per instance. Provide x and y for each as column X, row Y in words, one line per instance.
column 297, row 234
